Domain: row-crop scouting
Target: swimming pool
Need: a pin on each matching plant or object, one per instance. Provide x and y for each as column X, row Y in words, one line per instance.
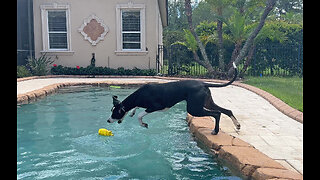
column 57, row 138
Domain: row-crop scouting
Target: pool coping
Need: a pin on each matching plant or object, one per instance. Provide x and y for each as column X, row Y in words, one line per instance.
column 239, row 154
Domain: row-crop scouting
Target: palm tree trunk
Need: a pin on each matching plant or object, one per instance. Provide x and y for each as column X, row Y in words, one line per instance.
column 206, row 62
column 220, row 42
column 269, row 6
column 235, row 53
column 248, row 61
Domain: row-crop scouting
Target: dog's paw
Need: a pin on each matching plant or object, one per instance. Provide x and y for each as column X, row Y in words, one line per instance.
column 145, row 125
column 238, row 127
column 213, row 132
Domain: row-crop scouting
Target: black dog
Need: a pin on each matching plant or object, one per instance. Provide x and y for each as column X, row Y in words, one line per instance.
column 157, row 97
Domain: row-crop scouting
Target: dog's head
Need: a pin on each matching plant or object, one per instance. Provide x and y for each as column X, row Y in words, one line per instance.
column 118, row 111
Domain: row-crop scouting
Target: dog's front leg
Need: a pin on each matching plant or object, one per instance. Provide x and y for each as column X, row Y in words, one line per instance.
column 133, row 112
column 140, row 116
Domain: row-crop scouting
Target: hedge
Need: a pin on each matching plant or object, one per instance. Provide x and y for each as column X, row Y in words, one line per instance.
column 91, row 70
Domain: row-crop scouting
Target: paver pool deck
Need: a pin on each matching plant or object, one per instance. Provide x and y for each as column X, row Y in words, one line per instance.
column 262, row 125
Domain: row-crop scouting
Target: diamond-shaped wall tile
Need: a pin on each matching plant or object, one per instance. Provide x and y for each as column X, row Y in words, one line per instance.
column 93, row 29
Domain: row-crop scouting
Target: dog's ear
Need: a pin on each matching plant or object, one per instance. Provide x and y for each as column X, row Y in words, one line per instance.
column 115, row 100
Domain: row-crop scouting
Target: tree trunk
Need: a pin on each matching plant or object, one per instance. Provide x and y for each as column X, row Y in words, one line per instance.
column 269, row 6
column 220, row 40
column 235, row 53
column 201, row 47
column 248, row 61
column 203, row 63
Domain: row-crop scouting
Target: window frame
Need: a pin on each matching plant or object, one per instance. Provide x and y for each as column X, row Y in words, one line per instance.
column 130, row 32
column 45, row 27
column 57, row 32
column 119, row 33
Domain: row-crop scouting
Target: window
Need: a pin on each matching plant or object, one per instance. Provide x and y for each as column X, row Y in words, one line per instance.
column 57, row 25
column 130, row 20
column 131, row 31
column 55, row 28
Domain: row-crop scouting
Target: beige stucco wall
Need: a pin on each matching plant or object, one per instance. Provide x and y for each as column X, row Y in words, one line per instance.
column 105, row 49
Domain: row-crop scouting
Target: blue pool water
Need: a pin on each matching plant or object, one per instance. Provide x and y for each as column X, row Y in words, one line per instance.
column 57, row 138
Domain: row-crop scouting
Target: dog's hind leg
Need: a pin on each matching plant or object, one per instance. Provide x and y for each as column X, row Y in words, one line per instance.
column 230, row 114
column 202, row 111
column 212, row 106
column 216, row 114
column 196, row 107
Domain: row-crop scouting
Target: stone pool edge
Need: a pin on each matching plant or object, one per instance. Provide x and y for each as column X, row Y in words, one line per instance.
column 50, row 89
column 242, row 156
column 239, row 154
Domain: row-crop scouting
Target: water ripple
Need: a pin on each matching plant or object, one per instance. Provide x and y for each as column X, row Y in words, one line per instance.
column 58, row 139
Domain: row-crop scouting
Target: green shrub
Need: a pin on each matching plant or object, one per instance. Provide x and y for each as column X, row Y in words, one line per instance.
column 22, row 71
column 91, row 70
column 39, row 66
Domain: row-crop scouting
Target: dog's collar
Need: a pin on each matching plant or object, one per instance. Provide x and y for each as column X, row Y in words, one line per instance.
column 124, row 108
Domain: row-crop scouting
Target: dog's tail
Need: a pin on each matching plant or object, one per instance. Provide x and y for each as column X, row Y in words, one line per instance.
column 228, row 83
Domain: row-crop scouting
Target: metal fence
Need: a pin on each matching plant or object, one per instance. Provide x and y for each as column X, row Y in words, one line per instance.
column 273, row 60
column 277, row 60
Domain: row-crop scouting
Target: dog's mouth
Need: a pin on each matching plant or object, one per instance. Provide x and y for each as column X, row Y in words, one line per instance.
column 110, row 120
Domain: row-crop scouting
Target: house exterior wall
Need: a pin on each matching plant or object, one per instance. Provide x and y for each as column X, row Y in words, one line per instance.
column 106, row 52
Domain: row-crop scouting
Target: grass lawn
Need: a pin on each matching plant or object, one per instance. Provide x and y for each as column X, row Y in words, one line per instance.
column 288, row 89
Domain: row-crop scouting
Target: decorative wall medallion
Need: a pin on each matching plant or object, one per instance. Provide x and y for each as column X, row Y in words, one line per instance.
column 93, row 29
